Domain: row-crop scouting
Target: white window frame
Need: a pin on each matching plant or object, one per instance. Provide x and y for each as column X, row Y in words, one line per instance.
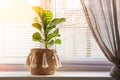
column 73, row 65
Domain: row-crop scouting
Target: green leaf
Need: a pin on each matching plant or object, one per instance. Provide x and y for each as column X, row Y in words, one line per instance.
column 56, row 31
column 56, row 21
column 49, row 29
column 49, row 16
column 51, row 43
column 54, row 34
column 36, row 37
column 37, row 25
column 43, row 18
column 46, row 17
column 50, row 36
column 57, row 41
column 36, row 19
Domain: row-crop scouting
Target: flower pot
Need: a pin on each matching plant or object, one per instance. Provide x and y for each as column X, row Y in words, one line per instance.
column 43, row 61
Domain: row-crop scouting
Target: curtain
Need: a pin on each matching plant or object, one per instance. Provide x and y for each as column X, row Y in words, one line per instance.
column 103, row 17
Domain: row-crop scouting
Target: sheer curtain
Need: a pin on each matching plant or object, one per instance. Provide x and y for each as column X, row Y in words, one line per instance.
column 103, row 17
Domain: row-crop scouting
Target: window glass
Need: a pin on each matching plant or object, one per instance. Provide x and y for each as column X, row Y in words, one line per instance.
column 16, row 17
column 77, row 39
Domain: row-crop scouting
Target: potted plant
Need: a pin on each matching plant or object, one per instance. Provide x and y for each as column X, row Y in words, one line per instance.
column 43, row 61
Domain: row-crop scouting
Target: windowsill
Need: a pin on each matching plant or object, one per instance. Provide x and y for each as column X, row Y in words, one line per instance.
column 68, row 75
column 76, row 65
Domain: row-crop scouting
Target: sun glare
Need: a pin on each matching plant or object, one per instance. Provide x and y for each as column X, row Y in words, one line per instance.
column 72, row 5
column 15, row 11
column 4, row 3
column 33, row 2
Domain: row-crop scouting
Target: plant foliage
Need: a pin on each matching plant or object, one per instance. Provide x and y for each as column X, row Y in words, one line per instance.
column 48, row 33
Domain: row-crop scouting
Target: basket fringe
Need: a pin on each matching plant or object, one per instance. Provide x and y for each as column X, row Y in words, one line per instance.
column 33, row 62
column 57, row 61
column 28, row 61
column 44, row 61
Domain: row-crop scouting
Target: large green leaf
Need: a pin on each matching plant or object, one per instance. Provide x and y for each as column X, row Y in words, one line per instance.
column 53, row 34
column 37, row 25
column 46, row 18
column 49, row 16
column 56, row 21
column 49, row 29
column 36, row 37
column 43, row 18
column 57, row 41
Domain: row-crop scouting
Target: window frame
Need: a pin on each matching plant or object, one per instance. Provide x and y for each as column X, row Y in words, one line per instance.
column 70, row 65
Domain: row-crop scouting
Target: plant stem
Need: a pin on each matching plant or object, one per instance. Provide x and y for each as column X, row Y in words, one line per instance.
column 46, row 46
column 46, row 43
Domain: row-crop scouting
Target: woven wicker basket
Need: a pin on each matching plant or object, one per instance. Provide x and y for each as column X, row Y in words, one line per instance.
column 37, row 68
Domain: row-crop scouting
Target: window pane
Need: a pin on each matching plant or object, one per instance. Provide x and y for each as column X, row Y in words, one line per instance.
column 77, row 40
column 15, row 42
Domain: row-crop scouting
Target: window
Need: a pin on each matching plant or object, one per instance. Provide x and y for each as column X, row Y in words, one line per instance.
column 77, row 39
column 77, row 45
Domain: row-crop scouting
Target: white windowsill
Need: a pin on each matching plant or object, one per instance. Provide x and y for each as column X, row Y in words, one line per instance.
column 69, row 75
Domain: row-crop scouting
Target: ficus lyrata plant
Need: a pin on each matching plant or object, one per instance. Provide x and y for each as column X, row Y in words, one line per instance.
column 48, row 33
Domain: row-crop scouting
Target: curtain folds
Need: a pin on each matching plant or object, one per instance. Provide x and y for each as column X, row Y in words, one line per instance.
column 103, row 17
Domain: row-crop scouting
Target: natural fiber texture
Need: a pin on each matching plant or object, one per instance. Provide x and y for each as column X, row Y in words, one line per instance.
column 45, row 61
